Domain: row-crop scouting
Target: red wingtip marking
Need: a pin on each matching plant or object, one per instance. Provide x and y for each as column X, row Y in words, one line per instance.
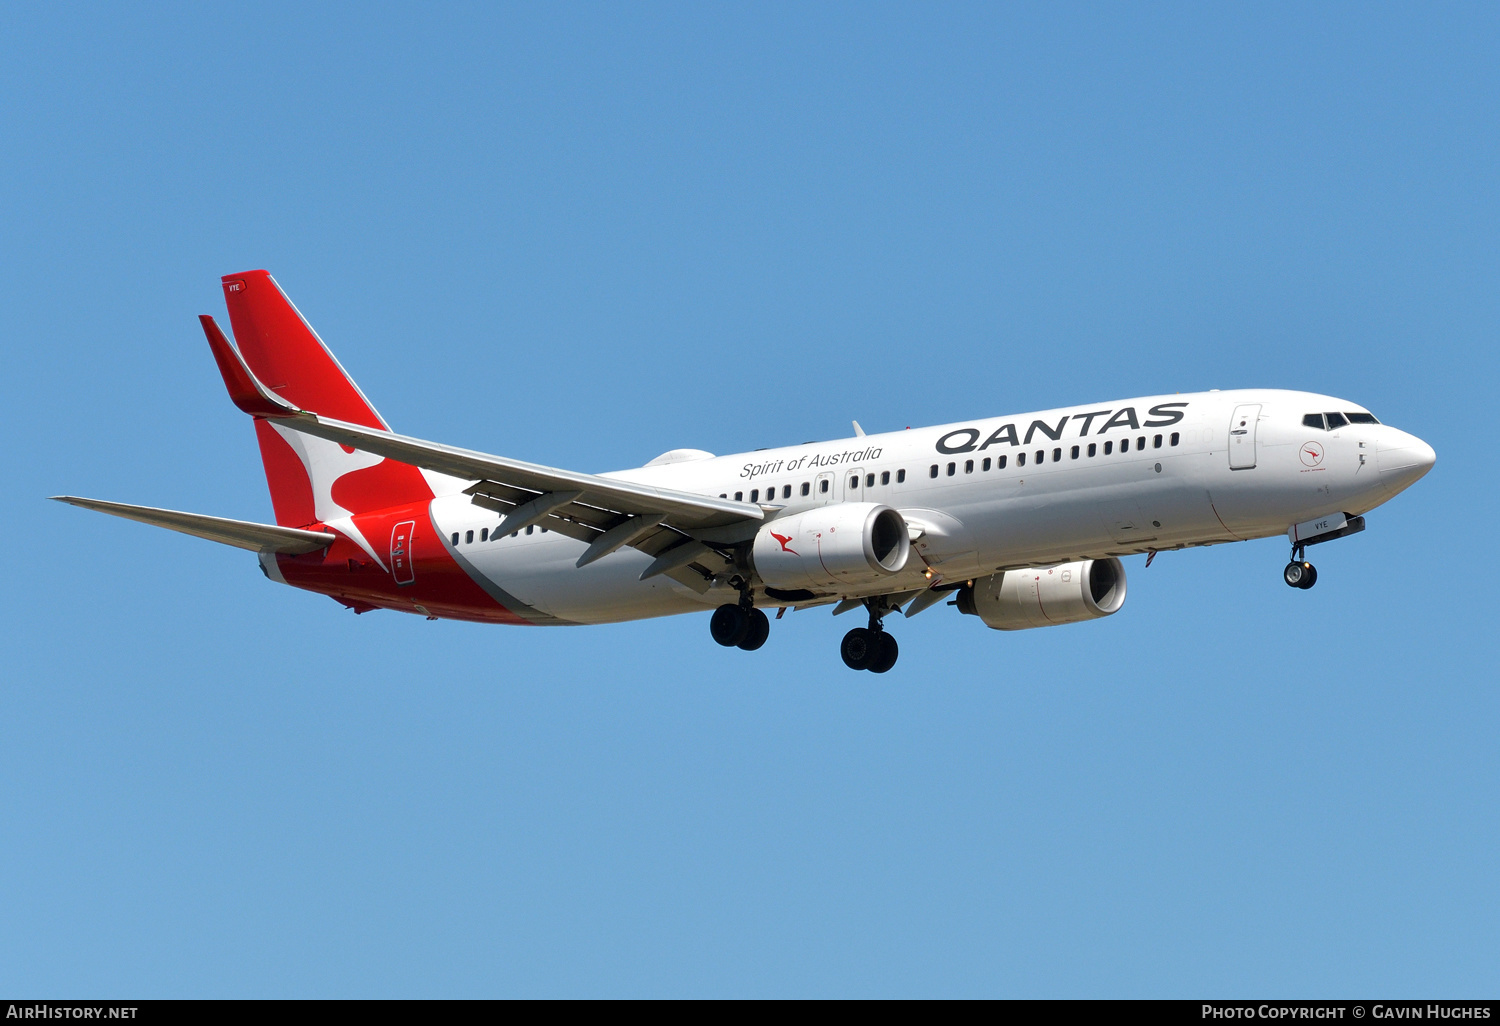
column 242, row 389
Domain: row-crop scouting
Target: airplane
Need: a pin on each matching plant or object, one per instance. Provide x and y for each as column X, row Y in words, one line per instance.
column 1020, row 521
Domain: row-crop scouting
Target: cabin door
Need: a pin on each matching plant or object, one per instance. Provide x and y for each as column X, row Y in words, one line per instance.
column 1242, row 437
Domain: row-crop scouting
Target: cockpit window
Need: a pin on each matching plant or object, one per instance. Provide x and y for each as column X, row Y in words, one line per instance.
column 1314, row 420
column 1335, row 421
column 1362, row 418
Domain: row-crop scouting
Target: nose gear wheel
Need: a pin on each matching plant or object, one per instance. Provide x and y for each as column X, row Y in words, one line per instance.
column 1300, row 574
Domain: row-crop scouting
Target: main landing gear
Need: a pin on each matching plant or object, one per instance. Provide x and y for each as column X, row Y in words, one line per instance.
column 740, row 625
column 1299, row 573
column 870, row 648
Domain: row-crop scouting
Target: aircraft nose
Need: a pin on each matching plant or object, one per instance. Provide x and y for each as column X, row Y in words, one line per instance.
column 1402, row 459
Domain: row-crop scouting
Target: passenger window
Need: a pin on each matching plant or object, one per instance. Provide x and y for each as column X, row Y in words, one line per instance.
column 531, row 528
column 934, row 470
column 900, row 476
column 1140, row 443
column 468, row 537
column 484, row 534
column 455, row 538
column 952, row 468
column 1107, row 447
column 1335, row 421
column 968, row 466
column 806, row 488
column 544, row 530
column 1000, row 462
column 885, row 477
column 723, row 495
column 985, row 466
column 1074, row 453
column 823, row 486
column 739, row 496
column 1156, row 442
column 1041, row 455
column 1362, row 418
column 869, row 480
column 786, row 491
column 1175, row 438
column 755, row 495
column 1093, row 448
column 1056, row 455
column 853, row 480
column 1020, row 459
column 1314, row 420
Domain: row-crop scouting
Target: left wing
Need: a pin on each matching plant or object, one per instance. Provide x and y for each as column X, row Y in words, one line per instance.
column 678, row 528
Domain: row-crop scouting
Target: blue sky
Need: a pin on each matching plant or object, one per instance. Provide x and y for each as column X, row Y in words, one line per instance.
column 583, row 235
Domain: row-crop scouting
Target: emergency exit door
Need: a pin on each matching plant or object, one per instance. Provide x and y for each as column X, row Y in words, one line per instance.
column 1242, row 437
column 854, row 482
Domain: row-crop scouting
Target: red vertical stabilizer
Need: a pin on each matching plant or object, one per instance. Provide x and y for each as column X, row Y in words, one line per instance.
column 310, row 479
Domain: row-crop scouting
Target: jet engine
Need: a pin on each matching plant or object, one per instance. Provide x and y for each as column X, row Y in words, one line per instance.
column 846, row 543
column 1043, row 596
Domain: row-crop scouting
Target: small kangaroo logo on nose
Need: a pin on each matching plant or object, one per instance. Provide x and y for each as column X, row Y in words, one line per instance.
column 784, row 540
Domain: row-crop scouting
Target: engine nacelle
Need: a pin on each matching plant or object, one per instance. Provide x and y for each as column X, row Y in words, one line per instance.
column 1044, row 596
column 845, row 543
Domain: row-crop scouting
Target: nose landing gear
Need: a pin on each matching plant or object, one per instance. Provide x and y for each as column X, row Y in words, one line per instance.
column 1299, row 573
column 870, row 648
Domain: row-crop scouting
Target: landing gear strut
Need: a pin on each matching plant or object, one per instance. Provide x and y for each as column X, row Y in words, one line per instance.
column 740, row 625
column 1299, row 573
column 870, row 648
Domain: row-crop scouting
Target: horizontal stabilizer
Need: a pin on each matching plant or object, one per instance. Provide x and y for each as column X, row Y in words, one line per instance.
column 244, row 390
column 243, row 534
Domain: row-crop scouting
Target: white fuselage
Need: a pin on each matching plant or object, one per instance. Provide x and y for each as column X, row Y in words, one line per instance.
column 1177, row 473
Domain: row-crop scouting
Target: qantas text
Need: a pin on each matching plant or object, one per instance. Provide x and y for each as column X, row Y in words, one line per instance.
column 968, row 439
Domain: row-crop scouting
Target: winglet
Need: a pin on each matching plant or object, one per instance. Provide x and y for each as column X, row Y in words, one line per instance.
column 244, row 390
